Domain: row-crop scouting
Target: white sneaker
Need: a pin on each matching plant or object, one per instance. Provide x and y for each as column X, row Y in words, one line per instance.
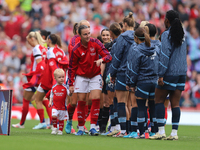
column 17, row 126
column 60, row 132
column 54, row 131
column 40, row 126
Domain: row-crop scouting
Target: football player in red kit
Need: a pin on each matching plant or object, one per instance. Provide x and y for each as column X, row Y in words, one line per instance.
column 85, row 64
column 72, row 100
column 55, row 59
column 58, row 99
column 38, row 57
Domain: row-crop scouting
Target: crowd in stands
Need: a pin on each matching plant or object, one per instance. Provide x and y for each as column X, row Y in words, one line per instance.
column 19, row 17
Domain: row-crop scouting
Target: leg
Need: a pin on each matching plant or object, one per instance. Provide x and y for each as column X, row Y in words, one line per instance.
column 105, row 114
column 122, row 97
column 40, row 94
column 141, row 114
column 175, row 98
column 134, row 112
column 71, row 108
column 26, row 100
column 160, row 96
column 81, row 110
column 95, row 97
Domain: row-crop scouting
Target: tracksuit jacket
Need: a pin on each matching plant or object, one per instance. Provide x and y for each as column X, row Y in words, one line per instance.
column 142, row 65
column 172, row 59
column 121, row 50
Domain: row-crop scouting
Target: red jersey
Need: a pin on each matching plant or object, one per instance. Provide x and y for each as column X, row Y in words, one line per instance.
column 74, row 40
column 34, row 77
column 82, row 59
column 55, row 59
column 38, row 52
column 59, row 94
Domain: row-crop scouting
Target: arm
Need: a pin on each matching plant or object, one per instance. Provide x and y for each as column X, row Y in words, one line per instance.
column 103, row 52
column 53, row 66
column 51, row 99
column 133, row 65
column 164, row 54
column 118, row 48
column 73, row 65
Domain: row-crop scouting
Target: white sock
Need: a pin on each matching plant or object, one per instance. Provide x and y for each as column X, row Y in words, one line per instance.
column 123, row 131
column 81, row 128
column 112, row 128
column 118, row 127
column 161, row 130
column 174, row 132
column 92, row 126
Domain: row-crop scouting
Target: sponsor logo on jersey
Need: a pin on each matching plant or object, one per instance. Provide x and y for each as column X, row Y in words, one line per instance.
column 51, row 63
column 59, row 94
column 82, row 54
column 92, row 49
column 92, row 54
column 59, row 53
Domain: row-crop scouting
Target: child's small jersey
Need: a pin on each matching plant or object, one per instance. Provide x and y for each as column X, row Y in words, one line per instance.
column 59, row 94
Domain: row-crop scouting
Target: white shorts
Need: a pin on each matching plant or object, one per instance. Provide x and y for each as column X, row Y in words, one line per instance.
column 31, row 89
column 85, row 85
column 61, row 114
column 40, row 89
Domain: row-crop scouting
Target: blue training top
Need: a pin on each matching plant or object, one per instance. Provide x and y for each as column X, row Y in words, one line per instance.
column 121, row 49
column 142, row 65
column 172, row 60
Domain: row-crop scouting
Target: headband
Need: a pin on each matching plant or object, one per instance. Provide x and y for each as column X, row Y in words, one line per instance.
column 139, row 37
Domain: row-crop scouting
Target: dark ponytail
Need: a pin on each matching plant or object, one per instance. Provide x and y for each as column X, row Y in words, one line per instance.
column 75, row 28
column 45, row 33
column 141, row 34
column 55, row 39
column 176, row 33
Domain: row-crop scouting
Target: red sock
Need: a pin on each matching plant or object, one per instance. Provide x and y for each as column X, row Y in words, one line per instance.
column 87, row 111
column 41, row 114
column 54, row 122
column 46, row 103
column 166, row 114
column 95, row 111
column 71, row 110
column 81, row 113
column 61, row 124
column 148, row 117
column 25, row 109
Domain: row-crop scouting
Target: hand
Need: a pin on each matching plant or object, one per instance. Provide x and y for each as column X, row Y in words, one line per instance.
column 132, row 89
column 160, row 81
column 98, row 62
column 112, row 80
column 50, row 104
column 127, row 87
column 71, row 90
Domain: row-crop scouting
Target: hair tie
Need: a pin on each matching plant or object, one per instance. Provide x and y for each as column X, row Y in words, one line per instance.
column 139, row 37
column 49, row 37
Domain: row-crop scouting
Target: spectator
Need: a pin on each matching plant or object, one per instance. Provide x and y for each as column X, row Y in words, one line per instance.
column 12, row 62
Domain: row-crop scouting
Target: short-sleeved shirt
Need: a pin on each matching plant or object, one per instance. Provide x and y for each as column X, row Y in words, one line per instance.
column 59, row 94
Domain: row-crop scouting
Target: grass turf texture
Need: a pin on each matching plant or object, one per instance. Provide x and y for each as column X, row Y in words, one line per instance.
column 29, row 139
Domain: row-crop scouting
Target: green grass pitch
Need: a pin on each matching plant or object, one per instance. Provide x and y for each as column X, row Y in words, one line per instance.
column 29, row 139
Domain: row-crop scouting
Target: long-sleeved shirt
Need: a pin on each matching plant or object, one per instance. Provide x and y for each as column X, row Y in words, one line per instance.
column 172, row 61
column 142, row 65
column 121, row 49
column 82, row 59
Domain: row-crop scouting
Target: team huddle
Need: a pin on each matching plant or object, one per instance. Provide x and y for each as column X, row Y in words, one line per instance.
column 125, row 75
